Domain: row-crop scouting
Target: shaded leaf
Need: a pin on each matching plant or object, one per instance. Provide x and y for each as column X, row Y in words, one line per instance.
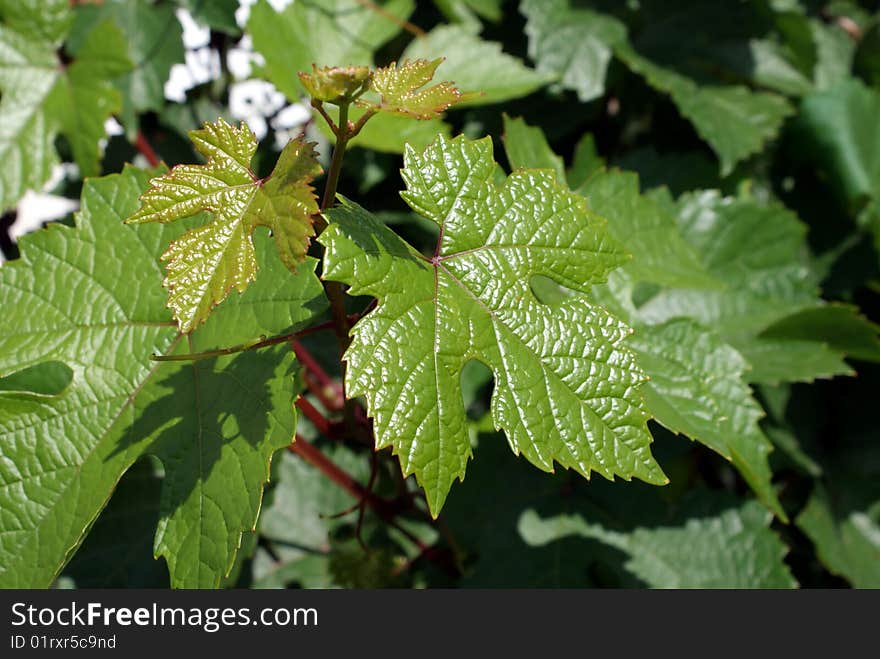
column 63, row 455
column 526, row 147
column 846, row 531
column 732, row 548
column 153, row 41
column 735, row 121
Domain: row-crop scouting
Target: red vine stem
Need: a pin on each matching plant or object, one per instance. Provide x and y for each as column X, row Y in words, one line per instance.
column 314, row 415
column 385, row 510
column 313, row 455
column 307, row 360
column 146, row 149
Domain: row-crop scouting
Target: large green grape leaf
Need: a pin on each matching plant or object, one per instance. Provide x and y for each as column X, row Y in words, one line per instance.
column 323, row 33
column 566, row 386
column 695, row 386
column 476, row 65
column 153, row 42
column 41, row 97
column 69, row 299
column 205, row 264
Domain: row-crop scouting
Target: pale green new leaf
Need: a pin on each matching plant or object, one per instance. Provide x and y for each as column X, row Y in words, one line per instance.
column 476, row 65
column 573, row 44
column 566, row 387
column 323, row 33
column 41, row 98
column 205, row 264
column 83, row 99
column 332, row 84
column 70, row 300
column 153, row 42
column 733, row 548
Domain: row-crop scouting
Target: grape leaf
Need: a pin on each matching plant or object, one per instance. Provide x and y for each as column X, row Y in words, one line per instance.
column 205, row 264
column 41, row 97
column 402, row 90
column 585, row 162
column 464, row 10
column 476, row 65
column 732, row 548
column 83, row 99
column 153, row 42
column 118, row 550
column 41, row 20
column 661, row 255
column 566, row 388
column 697, row 388
column 325, row 33
column 63, row 455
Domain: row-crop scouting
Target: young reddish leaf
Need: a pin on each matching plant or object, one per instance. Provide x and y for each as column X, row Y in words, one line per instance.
column 401, row 90
column 333, row 83
column 206, row 263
